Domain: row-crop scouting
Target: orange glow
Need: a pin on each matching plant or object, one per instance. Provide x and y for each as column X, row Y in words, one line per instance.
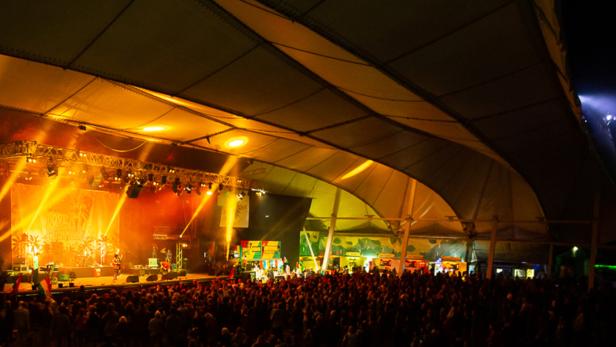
column 29, row 218
column 356, row 171
column 117, row 209
column 236, row 142
column 51, row 187
column 229, row 164
column 21, row 163
column 153, row 128
column 230, row 206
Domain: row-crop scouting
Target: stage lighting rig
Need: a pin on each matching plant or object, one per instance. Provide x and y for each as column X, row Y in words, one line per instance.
column 112, row 168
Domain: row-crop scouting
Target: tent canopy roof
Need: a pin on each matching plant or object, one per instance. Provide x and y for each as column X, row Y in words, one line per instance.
column 473, row 102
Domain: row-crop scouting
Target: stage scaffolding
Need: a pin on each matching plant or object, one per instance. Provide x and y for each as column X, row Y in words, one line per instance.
column 37, row 152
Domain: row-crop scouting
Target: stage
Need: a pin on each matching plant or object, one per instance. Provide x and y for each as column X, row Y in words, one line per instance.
column 103, row 282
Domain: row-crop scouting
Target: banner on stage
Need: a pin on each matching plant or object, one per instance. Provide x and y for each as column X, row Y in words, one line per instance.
column 229, row 201
column 71, row 227
column 271, row 249
column 250, row 250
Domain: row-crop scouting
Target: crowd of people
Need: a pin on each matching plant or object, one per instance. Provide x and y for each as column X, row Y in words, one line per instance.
column 362, row 309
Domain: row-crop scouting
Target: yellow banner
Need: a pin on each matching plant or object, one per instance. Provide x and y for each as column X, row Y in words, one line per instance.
column 69, row 228
column 271, row 249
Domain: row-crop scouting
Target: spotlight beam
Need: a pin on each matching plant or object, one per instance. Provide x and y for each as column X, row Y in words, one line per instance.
column 230, row 207
column 6, row 187
column 26, row 219
column 117, row 209
column 229, row 164
column 50, row 189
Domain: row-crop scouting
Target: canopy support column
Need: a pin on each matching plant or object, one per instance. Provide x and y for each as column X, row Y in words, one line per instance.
column 332, row 228
column 594, row 241
column 468, row 256
column 407, row 227
column 491, row 252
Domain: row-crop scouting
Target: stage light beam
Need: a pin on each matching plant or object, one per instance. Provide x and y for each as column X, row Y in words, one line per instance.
column 57, row 198
column 229, row 164
column 230, row 207
column 117, row 209
column 6, row 187
column 51, row 187
column 356, row 171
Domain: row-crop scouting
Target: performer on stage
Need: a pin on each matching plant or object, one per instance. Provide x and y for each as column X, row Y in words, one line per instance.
column 117, row 264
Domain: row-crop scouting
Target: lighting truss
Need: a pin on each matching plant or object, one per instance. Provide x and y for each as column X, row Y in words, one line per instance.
column 32, row 149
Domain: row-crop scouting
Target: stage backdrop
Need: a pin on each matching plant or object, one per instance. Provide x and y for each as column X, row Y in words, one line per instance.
column 277, row 218
column 69, row 227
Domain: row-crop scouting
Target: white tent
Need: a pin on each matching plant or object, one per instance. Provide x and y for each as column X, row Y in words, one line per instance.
column 473, row 102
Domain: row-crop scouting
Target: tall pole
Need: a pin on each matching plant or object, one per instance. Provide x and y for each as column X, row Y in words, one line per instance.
column 332, row 228
column 594, row 241
column 491, row 251
column 468, row 255
column 407, row 227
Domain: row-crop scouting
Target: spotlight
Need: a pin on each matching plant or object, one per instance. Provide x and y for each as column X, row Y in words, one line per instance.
column 209, row 192
column 82, row 127
column 118, row 175
column 133, row 191
column 30, row 160
column 609, row 117
column 188, row 188
column 52, row 170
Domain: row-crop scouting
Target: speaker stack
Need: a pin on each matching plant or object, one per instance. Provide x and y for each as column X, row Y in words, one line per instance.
column 132, row 279
column 170, row 276
column 152, row 278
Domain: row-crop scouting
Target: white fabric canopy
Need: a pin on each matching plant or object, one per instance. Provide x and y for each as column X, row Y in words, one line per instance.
column 464, row 99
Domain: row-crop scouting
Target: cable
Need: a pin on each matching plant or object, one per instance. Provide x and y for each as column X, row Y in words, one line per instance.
column 320, row 54
column 120, row 150
column 423, row 119
column 376, row 97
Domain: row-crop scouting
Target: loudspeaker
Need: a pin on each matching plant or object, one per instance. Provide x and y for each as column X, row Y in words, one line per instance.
column 132, row 279
column 133, row 191
column 170, row 276
column 152, row 278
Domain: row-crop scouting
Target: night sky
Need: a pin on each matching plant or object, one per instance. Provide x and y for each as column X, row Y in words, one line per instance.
column 589, row 31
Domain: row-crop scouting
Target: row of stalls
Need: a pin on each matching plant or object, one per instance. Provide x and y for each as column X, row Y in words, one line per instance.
column 350, row 252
